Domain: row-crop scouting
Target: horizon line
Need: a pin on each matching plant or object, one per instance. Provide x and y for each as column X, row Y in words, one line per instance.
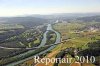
column 23, row 15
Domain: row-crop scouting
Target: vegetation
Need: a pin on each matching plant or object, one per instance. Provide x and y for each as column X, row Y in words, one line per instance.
column 79, row 35
column 93, row 50
column 51, row 37
column 21, row 56
column 17, row 36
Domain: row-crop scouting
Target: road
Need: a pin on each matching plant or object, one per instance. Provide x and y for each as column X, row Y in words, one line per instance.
column 8, row 48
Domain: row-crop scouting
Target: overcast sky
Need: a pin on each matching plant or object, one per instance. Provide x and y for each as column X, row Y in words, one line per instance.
column 22, row 7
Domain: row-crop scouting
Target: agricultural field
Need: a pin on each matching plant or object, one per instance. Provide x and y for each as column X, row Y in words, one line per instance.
column 78, row 35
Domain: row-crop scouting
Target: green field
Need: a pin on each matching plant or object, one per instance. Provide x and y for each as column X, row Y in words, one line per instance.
column 76, row 35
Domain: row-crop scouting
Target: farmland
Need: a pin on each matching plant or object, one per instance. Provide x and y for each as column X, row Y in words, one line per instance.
column 19, row 42
column 73, row 36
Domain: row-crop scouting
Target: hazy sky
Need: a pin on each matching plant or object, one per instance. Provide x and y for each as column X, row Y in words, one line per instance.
column 22, row 7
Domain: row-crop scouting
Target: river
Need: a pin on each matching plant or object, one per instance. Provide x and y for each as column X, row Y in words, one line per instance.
column 49, row 27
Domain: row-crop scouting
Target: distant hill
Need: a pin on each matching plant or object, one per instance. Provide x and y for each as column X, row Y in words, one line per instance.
column 25, row 21
column 64, row 16
column 36, row 19
column 90, row 19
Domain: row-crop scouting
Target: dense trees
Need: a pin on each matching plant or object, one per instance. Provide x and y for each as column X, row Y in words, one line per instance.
column 51, row 37
column 93, row 50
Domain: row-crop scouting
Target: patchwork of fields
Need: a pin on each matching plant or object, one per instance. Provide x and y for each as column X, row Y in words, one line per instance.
column 75, row 36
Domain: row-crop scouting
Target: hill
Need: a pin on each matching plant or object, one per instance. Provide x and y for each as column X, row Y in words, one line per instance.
column 90, row 19
column 25, row 21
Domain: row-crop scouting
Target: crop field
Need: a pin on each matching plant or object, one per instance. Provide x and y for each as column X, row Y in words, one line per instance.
column 74, row 37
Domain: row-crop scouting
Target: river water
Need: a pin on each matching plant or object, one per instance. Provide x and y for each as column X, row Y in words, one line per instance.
column 49, row 27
